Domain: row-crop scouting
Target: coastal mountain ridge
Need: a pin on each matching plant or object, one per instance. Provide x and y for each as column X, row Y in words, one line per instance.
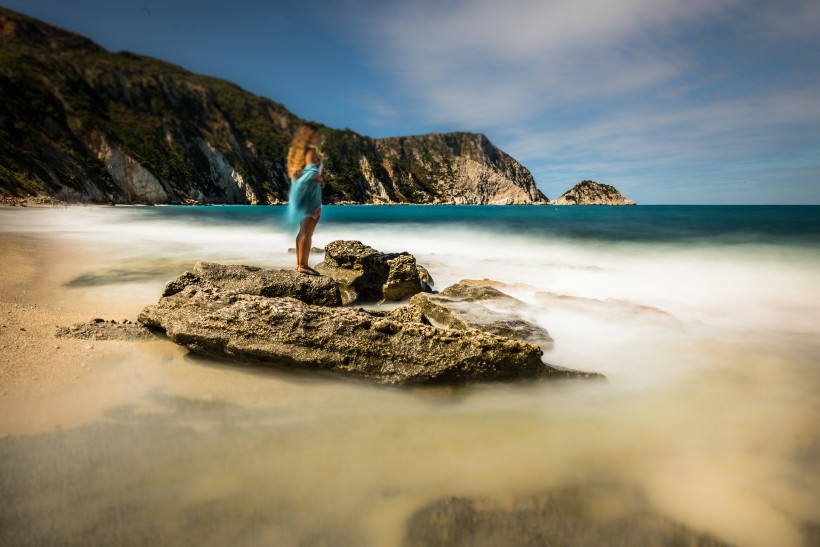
column 81, row 124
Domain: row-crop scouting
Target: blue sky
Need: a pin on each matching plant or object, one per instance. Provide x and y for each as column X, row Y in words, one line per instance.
column 671, row 101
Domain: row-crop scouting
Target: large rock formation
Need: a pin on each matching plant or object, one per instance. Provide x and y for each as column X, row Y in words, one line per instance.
column 382, row 348
column 588, row 192
column 279, row 317
column 82, row 124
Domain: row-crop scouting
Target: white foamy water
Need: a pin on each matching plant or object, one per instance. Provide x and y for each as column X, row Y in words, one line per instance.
column 712, row 354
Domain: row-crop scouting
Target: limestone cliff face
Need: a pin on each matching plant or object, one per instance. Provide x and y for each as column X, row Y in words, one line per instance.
column 137, row 182
column 461, row 168
column 589, row 192
column 83, row 124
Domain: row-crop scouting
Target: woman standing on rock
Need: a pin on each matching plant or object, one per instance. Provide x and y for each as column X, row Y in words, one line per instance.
column 306, row 183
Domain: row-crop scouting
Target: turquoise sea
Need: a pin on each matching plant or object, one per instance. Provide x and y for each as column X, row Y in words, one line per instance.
column 705, row 320
column 789, row 225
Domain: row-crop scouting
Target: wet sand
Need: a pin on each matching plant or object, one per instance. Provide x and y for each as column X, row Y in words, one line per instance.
column 40, row 374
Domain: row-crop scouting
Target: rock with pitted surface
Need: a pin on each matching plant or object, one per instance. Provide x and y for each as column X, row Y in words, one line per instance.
column 464, row 306
column 367, row 275
column 588, row 192
column 382, row 348
column 251, row 315
column 100, row 329
column 317, row 290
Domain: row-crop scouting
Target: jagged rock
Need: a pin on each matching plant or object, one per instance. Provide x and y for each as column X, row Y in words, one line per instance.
column 461, row 168
column 100, row 329
column 383, row 349
column 580, row 515
column 462, row 306
column 317, row 290
column 365, row 274
column 588, row 192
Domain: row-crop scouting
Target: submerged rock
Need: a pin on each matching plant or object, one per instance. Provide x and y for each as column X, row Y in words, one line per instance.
column 465, row 306
column 317, row 290
column 283, row 318
column 613, row 309
column 580, row 515
column 384, row 348
column 367, row 275
column 470, row 291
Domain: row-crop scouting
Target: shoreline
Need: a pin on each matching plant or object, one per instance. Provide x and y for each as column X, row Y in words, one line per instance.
column 40, row 374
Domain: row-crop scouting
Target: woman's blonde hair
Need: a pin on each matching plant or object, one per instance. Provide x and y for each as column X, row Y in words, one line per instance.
column 298, row 148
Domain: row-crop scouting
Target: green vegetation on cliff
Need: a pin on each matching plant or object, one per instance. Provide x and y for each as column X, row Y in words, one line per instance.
column 83, row 124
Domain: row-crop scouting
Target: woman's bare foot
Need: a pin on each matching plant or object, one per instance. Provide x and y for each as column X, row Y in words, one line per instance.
column 307, row 270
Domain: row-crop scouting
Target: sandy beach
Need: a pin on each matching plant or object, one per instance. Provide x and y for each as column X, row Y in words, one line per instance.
column 40, row 374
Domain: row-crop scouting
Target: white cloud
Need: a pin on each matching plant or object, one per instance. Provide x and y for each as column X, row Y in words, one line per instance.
column 484, row 63
column 625, row 86
column 724, row 131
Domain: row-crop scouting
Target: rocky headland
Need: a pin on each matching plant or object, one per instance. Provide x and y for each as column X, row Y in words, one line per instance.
column 466, row 169
column 81, row 124
column 589, row 192
column 281, row 318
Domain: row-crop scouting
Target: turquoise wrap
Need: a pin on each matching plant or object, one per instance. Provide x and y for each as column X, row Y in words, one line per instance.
column 305, row 195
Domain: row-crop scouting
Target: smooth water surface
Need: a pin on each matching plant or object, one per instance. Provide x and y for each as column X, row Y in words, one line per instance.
column 705, row 320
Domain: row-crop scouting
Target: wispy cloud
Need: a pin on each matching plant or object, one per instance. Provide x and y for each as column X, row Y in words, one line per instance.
column 637, row 84
column 486, row 63
column 749, row 138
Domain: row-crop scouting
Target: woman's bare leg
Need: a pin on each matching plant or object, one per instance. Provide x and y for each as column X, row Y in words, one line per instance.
column 304, row 241
column 298, row 248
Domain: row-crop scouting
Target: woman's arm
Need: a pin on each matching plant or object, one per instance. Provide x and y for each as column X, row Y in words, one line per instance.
column 312, row 157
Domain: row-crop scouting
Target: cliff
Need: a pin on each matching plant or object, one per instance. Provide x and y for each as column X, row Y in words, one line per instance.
column 82, row 124
column 588, row 192
column 467, row 169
